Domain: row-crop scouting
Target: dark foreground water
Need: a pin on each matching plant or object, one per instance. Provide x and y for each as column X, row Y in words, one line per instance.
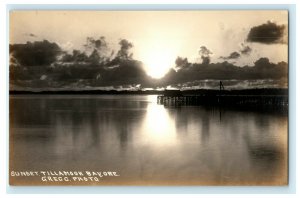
column 145, row 143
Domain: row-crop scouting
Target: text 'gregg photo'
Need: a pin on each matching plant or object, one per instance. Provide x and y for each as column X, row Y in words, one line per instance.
column 159, row 98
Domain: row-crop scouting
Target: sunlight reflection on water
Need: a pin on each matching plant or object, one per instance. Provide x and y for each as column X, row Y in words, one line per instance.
column 159, row 127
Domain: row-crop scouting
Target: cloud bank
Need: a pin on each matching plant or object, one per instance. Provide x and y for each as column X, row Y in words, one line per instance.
column 233, row 55
column 44, row 65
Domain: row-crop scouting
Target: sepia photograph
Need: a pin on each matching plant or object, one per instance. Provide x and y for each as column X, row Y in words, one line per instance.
column 148, row 98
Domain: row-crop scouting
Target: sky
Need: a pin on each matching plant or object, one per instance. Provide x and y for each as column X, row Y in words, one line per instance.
column 240, row 37
column 174, row 33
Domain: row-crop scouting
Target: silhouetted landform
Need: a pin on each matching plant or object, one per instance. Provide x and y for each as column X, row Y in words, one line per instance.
column 202, row 92
column 88, row 92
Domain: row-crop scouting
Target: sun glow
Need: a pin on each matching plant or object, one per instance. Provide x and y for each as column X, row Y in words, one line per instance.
column 159, row 126
column 158, row 58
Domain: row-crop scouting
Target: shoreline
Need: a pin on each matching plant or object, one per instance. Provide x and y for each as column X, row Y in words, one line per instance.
column 260, row 91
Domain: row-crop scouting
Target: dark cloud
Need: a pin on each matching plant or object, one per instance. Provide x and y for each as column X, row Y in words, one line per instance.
column 122, row 56
column 13, row 61
column 99, row 50
column 245, row 49
column 96, row 53
column 35, row 53
column 233, row 55
column 32, row 35
column 98, row 44
column 76, row 56
column 95, row 57
column 205, row 60
column 128, row 72
column 268, row 33
column 124, row 52
column 205, row 54
column 181, row 63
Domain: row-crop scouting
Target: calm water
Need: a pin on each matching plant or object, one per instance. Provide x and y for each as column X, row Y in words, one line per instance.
column 147, row 143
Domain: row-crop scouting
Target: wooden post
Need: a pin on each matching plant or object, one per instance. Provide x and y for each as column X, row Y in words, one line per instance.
column 221, row 86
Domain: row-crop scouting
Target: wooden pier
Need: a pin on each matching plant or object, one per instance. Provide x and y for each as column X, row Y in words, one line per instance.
column 225, row 100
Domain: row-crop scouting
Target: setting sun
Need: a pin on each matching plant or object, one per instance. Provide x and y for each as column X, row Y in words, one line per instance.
column 158, row 58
